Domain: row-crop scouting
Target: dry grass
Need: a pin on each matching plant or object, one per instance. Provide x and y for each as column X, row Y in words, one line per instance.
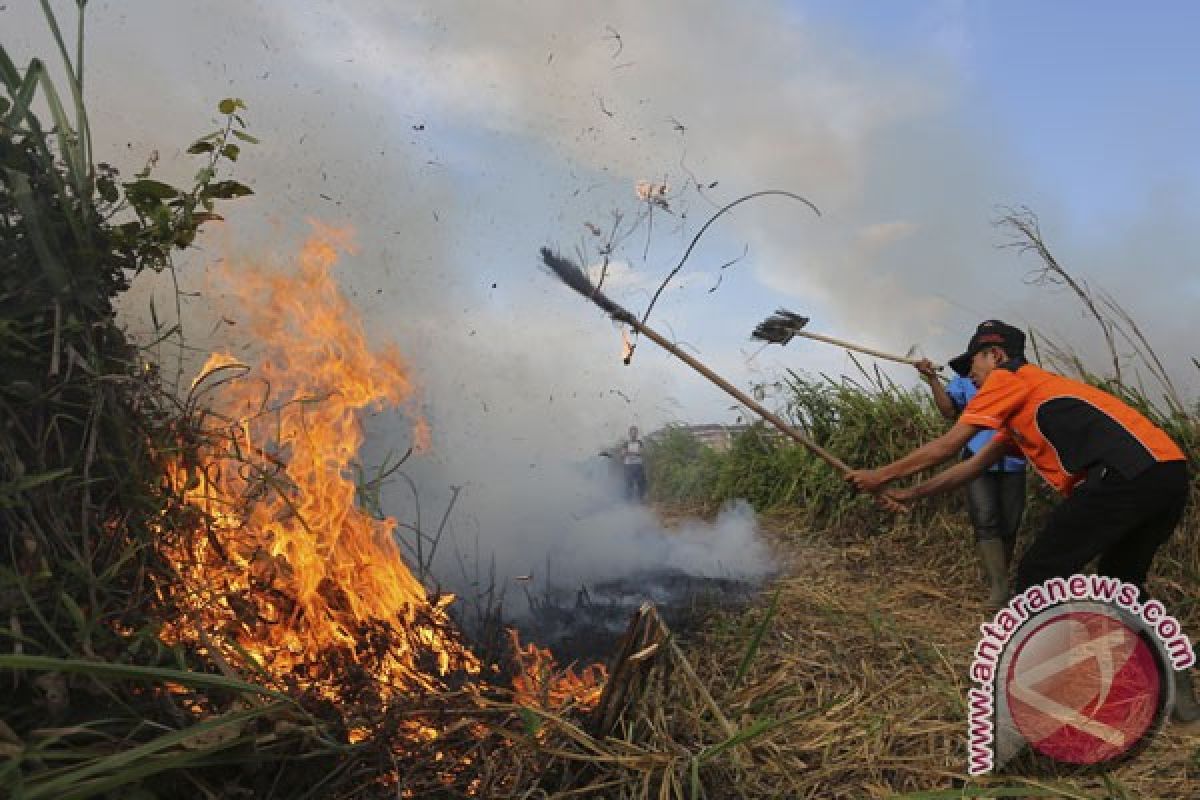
column 848, row 681
column 881, row 631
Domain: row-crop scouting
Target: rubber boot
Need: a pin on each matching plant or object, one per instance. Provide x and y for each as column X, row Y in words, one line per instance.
column 1186, row 710
column 1010, row 547
column 995, row 567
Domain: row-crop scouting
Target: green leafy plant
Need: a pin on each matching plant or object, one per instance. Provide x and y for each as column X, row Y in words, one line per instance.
column 92, row 695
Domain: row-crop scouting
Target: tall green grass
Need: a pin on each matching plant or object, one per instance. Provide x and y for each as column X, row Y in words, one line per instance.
column 869, row 420
column 866, row 422
column 94, row 703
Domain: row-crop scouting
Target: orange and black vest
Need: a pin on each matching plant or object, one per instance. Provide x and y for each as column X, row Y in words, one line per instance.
column 1065, row 427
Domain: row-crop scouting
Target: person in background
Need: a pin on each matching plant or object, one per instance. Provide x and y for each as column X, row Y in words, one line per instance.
column 996, row 499
column 635, row 471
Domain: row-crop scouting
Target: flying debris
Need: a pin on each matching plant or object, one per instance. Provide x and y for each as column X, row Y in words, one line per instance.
column 615, row 36
column 653, row 193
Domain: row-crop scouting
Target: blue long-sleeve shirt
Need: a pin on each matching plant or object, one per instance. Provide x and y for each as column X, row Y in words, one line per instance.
column 961, row 390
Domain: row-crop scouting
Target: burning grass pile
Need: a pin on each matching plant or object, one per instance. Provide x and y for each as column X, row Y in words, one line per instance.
column 195, row 598
column 656, row 731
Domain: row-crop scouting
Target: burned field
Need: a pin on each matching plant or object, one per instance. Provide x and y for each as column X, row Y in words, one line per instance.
column 585, row 624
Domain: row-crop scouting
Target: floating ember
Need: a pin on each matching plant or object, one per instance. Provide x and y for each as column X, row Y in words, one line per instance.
column 626, row 346
column 653, row 193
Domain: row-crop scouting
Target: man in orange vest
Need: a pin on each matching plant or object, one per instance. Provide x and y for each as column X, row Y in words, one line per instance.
column 1125, row 481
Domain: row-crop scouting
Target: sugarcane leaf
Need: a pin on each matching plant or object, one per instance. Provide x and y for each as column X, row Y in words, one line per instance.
column 760, row 727
column 75, row 612
column 532, row 722
column 110, row 671
column 22, row 92
column 135, row 763
column 8, row 72
column 51, row 263
column 118, row 563
column 9, row 633
column 23, row 89
column 27, row 482
column 74, row 71
column 756, row 640
column 10, row 491
column 746, row 734
column 247, row 657
column 81, row 142
column 9, row 765
column 69, row 145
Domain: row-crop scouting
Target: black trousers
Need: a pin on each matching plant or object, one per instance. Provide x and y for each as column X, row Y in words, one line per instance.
column 1122, row 521
column 996, row 503
column 635, row 481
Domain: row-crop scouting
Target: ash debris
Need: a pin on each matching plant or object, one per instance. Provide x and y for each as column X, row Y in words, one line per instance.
column 584, row 623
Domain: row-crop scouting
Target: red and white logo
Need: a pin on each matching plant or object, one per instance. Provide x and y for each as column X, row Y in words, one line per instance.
column 1084, row 688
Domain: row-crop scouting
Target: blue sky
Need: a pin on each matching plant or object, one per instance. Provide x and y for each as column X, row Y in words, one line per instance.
column 1100, row 100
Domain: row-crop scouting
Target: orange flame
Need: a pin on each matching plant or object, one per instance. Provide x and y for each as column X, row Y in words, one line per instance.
column 282, row 564
column 540, row 682
column 291, row 570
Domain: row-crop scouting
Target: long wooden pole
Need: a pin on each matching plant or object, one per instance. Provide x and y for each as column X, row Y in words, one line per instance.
column 859, row 348
column 741, row 396
column 575, row 278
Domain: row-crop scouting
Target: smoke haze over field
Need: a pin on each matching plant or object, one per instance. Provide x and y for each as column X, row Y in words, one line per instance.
column 457, row 138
